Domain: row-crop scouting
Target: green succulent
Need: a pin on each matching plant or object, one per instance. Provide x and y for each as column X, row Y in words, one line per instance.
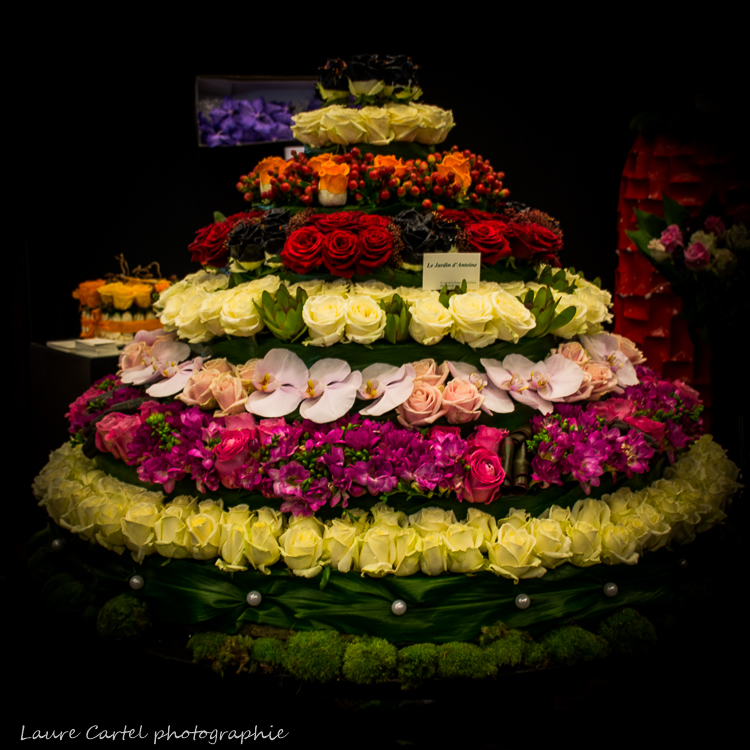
column 283, row 315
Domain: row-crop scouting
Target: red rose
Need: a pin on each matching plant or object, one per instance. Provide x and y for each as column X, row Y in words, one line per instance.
column 527, row 240
column 450, row 216
column 489, row 238
column 375, row 248
column 488, row 437
column 303, row 250
column 340, row 253
column 373, row 220
column 208, row 246
column 484, row 476
column 344, row 220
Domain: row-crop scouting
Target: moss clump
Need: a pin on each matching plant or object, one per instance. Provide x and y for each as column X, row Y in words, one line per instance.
column 124, row 618
column 628, row 632
column 416, row 664
column 572, row 645
column 535, row 656
column 314, row 656
column 510, row 650
column 65, row 595
column 464, row 660
column 223, row 651
column 268, row 653
column 370, row 660
column 492, row 633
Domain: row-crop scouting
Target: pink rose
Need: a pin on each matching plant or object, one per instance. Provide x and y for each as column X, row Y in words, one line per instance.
column 230, row 396
column 483, row 478
column 219, row 365
column 246, row 372
column 267, row 428
column 629, row 349
column 242, row 421
column 584, row 391
column 428, row 372
column 114, row 434
column 614, row 408
column 697, row 257
column 573, row 351
column 671, row 238
column 488, row 438
column 715, row 225
column 461, row 400
column 648, row 426
column 423, row 407
column 197, row 391
column 436, row 432
column 231, row 454
column 603, row 380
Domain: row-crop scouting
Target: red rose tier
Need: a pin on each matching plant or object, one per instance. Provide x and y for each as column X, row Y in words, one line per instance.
column 321, row 441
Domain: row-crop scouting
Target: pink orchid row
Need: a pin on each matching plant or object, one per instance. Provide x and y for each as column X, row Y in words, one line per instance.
column 280, row 383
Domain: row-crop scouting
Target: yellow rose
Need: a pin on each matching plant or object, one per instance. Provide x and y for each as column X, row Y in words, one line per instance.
column 511, row 554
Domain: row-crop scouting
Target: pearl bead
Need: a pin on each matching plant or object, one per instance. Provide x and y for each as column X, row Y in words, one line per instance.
column 398, row 607
column 683, row 563
column 136, row 582
column 610, row 589
column 58, row 545
column 254, row 598
column 523, row 601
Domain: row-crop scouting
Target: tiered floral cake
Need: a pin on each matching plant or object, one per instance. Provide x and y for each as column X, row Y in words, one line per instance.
column 315, row 441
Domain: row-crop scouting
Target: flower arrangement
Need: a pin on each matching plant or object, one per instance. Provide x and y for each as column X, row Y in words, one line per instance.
column 367, row 79
column 704, row 257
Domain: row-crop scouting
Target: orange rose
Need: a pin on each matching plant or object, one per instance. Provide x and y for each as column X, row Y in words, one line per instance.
column 161, row 285
column 391, row 161
column 88, row 293
column 333, row 177
column 271, row 163
column 459, row 165
column 317, row 161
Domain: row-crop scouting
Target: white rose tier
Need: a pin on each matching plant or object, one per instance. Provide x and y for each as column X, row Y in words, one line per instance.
column 317, row 443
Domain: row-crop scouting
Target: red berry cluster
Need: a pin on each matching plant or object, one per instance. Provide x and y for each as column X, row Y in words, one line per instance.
column 447, row 179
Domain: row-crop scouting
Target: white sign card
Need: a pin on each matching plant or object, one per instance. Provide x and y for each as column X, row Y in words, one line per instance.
column 450, row 269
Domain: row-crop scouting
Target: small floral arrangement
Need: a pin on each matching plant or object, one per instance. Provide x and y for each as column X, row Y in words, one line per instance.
column 705, row 258
column 368, row 79
column 450, row 178
column 245, row 121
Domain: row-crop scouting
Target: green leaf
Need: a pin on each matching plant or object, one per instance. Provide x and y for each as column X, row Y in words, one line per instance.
column 562, row 319
column 674, row 213
column 641, row 238
column 649, row 222
column 390, row 329
column 219, row 217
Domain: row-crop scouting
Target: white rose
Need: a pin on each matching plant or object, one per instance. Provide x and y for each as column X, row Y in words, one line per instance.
column 188, row 320
column 261, row 547
column 511, row 317
column 138, row 529
column 210, row 310
column 579, row 324
column 434, row 124
column 238, row 314
column 231, row 547
column 405, row 121
column 341, row 545
column 430, row 520
column 434, row 558
column 342, row 125
column 365, row 320
column 377, row 124
column 373, row 289
column 430, row 321
column 412, row 294
column 473, row 319
column 550, row 541
column 324, row 316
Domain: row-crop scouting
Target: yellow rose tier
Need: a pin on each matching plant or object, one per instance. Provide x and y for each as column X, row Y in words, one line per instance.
column 320, row 447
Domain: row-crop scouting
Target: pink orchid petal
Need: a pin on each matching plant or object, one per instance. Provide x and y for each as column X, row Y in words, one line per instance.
column 284, row 365
column 330, row 371
column 278, row 403
column 335, row 401
column 496, row 400
column 395, row 393
column 565, row 378
column 496, row 372
column 176, row 382
column 516, row 364
column 533, row 399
